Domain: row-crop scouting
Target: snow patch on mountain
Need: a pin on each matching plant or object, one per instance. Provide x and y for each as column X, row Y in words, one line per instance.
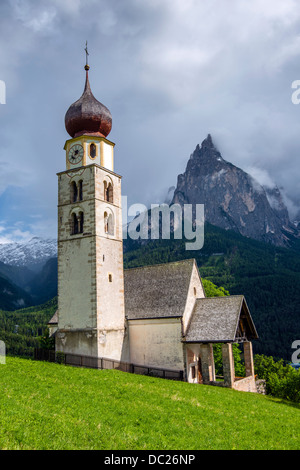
column 32, row 254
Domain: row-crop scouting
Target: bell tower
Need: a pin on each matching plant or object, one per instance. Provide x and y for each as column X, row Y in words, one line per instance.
column 90, row 248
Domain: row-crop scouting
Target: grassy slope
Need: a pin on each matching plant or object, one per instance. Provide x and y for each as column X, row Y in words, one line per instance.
column 49, row 406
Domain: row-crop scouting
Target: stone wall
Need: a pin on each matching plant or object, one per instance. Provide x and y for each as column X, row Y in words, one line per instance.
column 247, row 384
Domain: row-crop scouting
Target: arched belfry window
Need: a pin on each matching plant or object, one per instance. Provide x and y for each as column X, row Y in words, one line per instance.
column 109, row 223
column 74, row 224
column 105, row 222
column 93, row 151
column 80, row 222
column 108, row 192
column 74, row 191
column 80, row 190
column 77, row 222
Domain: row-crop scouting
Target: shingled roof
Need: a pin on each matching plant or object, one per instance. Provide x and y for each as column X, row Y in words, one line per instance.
column 216, row 319
column 157, row 291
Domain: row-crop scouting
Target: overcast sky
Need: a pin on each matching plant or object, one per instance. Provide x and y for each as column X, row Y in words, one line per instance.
column 170, row 71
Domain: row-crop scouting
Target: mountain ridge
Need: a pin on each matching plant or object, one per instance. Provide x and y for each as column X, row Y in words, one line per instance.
column 232, row 198
column 32, row 254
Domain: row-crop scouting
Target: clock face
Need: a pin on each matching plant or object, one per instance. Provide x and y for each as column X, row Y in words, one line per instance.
column 75, row 154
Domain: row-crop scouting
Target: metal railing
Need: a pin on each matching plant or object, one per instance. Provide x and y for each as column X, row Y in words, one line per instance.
column 106, row 363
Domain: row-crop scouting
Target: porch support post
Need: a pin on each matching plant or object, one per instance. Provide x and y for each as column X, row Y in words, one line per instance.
column 207, row 363
column 248, row 358
column 228, row 365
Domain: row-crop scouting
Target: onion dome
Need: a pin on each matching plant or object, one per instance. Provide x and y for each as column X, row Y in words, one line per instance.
column 87, row 116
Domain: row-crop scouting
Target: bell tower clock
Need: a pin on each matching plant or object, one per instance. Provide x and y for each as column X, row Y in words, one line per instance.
column 90, row 248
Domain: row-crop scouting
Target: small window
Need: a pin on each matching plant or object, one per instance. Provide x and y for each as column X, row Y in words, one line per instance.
column 193, row 372
column 93, row 151
column 195, row 291
column 110, row 278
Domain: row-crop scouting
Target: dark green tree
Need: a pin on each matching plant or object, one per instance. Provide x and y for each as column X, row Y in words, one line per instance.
column 47, row 341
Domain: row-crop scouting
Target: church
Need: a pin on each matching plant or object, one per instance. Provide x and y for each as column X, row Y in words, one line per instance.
column 154, row 316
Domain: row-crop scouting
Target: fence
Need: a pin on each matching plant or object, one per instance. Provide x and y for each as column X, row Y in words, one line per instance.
column 105, row 363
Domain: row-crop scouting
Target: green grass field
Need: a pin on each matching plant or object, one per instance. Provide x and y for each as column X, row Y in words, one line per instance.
column 51, row 406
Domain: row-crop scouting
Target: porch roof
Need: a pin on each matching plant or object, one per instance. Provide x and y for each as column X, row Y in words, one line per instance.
column 220, row 320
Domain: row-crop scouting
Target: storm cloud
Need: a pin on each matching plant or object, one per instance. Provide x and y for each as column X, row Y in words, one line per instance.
column 169, row 71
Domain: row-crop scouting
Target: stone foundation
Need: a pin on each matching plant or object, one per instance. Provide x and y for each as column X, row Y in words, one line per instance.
column 247, row 384
column 82, row 342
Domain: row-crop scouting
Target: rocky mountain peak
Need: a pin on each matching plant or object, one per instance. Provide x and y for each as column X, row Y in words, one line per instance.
column 232, row 198
column 208, row 143
column 207, row 153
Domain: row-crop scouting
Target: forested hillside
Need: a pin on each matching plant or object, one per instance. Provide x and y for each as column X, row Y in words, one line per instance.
column 21, row 329
column 12, row 296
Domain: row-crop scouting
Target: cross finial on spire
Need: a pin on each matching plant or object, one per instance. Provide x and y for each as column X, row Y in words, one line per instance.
column 86, row 56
